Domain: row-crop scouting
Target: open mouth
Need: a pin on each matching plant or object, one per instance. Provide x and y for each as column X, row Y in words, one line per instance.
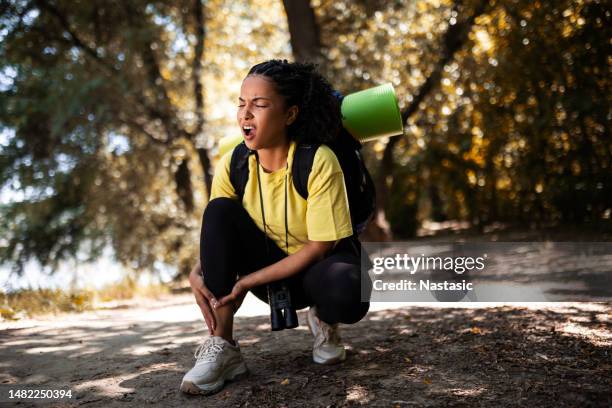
column 249, row 131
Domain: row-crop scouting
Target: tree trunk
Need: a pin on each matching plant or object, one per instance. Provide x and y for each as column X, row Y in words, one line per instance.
column 437, row 206
column 303, row 31
column 453, row 40
column 198, row 90
column 206, row 168
column 182, row 179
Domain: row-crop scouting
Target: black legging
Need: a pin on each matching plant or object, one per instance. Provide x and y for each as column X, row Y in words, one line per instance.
column 231, row 244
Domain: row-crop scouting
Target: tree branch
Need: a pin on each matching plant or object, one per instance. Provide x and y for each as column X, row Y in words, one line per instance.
column 76, row 40
column 453, row 40
column 197, row 64
column 109, row 68
column 198, row 89
column 140, row 128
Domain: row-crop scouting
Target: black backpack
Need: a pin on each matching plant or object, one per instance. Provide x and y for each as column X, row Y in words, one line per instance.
column 359, row 185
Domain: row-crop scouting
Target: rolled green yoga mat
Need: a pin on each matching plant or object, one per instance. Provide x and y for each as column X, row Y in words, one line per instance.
column 372, row 113
column 368, row 115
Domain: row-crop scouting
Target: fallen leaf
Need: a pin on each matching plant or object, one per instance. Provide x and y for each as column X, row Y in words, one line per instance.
column 408, row 360
column 476, row 330
column 285, row 381
column 426, row 380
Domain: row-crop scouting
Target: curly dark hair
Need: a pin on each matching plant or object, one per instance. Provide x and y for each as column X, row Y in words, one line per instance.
column 300, row 84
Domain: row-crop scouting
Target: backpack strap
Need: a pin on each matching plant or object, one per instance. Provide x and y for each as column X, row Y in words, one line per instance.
column 239, row 168
column 302, row 165
column 303, row 158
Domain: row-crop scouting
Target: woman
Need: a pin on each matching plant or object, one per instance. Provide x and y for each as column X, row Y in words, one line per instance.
column 273, row 233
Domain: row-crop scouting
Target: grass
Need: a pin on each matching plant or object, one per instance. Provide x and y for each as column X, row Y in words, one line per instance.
column 28, row 303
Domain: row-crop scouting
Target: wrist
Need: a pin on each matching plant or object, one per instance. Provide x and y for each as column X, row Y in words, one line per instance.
column 196, row 270
column 245, row 282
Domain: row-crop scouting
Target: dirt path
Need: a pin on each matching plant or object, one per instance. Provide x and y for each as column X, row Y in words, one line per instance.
column 425, row 355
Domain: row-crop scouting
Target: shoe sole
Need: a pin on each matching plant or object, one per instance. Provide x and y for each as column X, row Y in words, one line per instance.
column 329, row 361
column 189, row 387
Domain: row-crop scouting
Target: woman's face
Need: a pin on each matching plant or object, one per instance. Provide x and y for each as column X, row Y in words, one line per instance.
column 263, row 110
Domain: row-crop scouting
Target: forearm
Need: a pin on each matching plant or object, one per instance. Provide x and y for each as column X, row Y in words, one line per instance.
column 290, row 265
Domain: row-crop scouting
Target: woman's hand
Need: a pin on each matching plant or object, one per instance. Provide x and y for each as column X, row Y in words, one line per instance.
column 204, row 297
column 236, row 296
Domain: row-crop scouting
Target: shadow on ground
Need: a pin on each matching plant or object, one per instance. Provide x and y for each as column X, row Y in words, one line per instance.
column 415, row 356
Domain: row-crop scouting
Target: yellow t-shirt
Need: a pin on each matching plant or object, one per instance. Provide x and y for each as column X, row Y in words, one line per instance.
column 323, row 217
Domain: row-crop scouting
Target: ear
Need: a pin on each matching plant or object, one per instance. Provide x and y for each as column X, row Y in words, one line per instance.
column 292, row 115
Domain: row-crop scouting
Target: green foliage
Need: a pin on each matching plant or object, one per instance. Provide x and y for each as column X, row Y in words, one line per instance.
column 102, row 139
column 518, row 128
column 100, row 120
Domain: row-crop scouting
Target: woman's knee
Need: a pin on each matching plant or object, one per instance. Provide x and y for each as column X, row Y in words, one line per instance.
column 343, row 313
column 357, row 313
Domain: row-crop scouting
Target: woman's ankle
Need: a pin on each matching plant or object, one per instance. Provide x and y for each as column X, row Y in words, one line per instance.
column 228, row 338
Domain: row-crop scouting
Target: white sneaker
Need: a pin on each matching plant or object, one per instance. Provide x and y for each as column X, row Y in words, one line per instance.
column 217, row 361
column 327, row 348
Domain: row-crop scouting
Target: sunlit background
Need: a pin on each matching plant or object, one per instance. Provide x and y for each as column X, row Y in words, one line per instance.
column 110, row 112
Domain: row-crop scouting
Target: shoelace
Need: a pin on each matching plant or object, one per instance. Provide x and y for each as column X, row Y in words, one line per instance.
column 207, row 351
